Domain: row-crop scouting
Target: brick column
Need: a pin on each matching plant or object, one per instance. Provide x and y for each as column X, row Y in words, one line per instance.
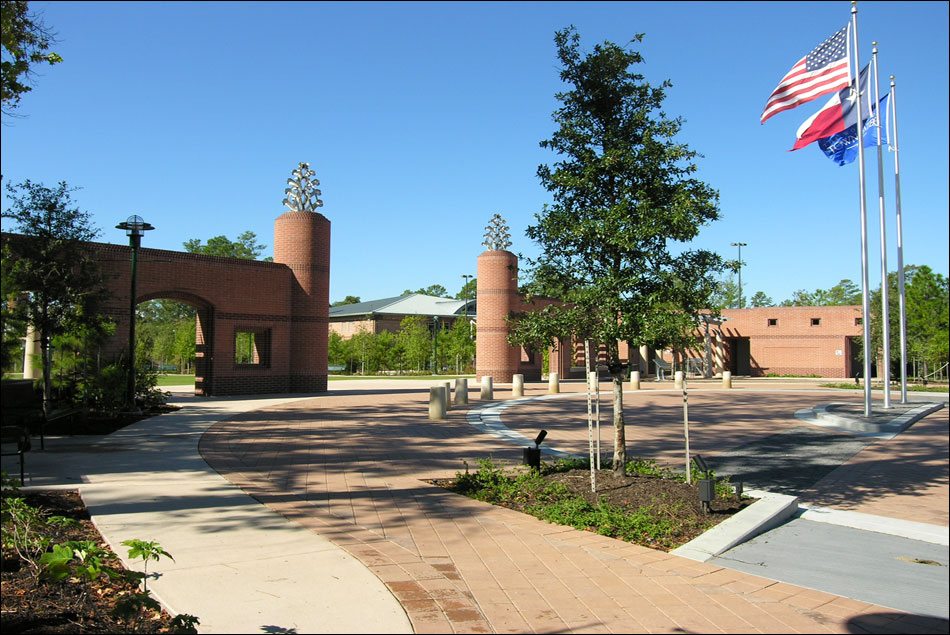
column 302, row 242
column 497, row 295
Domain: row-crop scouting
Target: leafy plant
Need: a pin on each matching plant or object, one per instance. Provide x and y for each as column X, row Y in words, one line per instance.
column 22, row 525
column 82, row 559
column 145, row 550
column 132, row 607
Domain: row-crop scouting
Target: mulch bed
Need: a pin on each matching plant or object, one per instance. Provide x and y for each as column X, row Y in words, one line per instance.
column 33, row 605
column 679, row 500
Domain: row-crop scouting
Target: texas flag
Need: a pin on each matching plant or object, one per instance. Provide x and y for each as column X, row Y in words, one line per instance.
column 835, row 116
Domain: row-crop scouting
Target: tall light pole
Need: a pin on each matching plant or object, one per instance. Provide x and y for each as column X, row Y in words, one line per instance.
column 740, row 246
column 466, row 277
column 135, row 227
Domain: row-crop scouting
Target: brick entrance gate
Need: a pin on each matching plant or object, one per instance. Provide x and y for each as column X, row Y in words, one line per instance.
column 280, row 307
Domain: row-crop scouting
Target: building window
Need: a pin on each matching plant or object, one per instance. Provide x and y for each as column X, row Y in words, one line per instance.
column 773, row 321
column 252, row 348
column 816, row 321
column 858, row 321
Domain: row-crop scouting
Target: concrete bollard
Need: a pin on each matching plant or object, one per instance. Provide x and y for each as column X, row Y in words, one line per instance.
column 554, row 384
column 635, row 380
column 726, row 379
column 448, row 395
column 517, row 386
column 678, row 380
column 436, row 403
column 487, row 392
column 461, row 391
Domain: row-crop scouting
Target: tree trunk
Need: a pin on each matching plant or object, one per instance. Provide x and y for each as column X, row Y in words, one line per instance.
column 620, row 439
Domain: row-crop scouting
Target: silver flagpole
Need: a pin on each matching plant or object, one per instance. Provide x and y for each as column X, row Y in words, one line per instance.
column 865, row 301
column 885, row 287
column 900, row 244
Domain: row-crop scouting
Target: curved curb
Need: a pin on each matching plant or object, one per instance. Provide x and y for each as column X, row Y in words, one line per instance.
column 770, row 511
column 822, row 415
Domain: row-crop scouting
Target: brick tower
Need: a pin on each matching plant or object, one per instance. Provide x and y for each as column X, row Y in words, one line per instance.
column 497, row 297
column 302, row 242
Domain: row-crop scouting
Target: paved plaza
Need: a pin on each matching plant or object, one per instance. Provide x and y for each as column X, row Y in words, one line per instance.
column 344, row 533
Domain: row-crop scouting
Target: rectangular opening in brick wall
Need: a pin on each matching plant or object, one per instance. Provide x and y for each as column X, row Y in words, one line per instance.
column 773, row 322
column 252, row 347
column 816, row 321
column 858, row 321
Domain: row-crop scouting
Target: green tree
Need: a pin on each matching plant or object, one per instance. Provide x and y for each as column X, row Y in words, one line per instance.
column 928, row 308
column 25, row 43
column 350, row 299
column 50, row 265
column 416, row 341
column 468, row 290
column 623, row 191
column 246, row 246
column 165, row 332
column 458, row 345
column 928, row 318
column 339, row 351
column 759, row 299
column 726, row 295
column 844, row 293
column 433, row 289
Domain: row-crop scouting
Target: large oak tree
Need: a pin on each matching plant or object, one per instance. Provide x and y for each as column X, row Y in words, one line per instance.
column 624, row 194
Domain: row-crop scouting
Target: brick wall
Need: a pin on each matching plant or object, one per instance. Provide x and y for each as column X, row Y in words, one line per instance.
column 795, row 340
column 285, row 303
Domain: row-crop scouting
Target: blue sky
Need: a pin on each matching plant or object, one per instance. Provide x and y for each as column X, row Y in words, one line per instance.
column 422, row 120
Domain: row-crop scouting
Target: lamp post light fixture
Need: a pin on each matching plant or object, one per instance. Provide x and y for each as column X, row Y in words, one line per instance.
column 135, row 227
column 740, row 246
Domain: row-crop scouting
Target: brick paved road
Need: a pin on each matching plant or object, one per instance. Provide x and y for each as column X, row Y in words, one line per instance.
column 353, row 465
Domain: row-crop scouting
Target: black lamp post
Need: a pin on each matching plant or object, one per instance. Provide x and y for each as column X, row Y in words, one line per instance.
column 466, row 277
column 135, row 227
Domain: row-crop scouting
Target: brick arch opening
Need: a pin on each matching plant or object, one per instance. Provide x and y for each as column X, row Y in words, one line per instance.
column 204, row 329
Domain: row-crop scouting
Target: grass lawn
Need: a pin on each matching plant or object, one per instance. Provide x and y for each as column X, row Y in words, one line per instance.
column 408, row 377
column 910, row 387
column 175, row 380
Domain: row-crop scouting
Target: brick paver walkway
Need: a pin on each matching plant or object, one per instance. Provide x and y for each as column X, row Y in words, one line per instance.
column 353, row 467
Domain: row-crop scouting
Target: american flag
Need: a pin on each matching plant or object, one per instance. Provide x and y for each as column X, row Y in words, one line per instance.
column 824, row 70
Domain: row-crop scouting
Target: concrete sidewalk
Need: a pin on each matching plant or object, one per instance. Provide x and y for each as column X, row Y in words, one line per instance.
column 239, row 567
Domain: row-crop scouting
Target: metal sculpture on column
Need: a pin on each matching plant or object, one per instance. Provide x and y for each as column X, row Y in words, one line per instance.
column 302, row 193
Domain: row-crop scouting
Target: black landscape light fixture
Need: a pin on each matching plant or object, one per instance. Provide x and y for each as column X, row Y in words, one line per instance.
column 532, row 456
column 538, row 440
column 135, row 227
column 707, row 486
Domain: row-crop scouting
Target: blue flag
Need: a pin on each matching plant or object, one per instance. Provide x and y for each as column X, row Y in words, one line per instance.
column 842, row 148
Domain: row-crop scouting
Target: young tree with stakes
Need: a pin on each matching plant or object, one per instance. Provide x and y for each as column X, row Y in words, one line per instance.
column 623, row 190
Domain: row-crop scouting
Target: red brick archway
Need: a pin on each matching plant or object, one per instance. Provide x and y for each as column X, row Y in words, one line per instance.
column 283, row 304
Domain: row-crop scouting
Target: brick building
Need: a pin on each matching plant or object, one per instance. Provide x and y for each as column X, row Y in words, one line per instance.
column 800, row 340
column 375, row 316
column 747, row 342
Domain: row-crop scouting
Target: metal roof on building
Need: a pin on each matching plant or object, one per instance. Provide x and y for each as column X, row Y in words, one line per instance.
column 412, row 304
